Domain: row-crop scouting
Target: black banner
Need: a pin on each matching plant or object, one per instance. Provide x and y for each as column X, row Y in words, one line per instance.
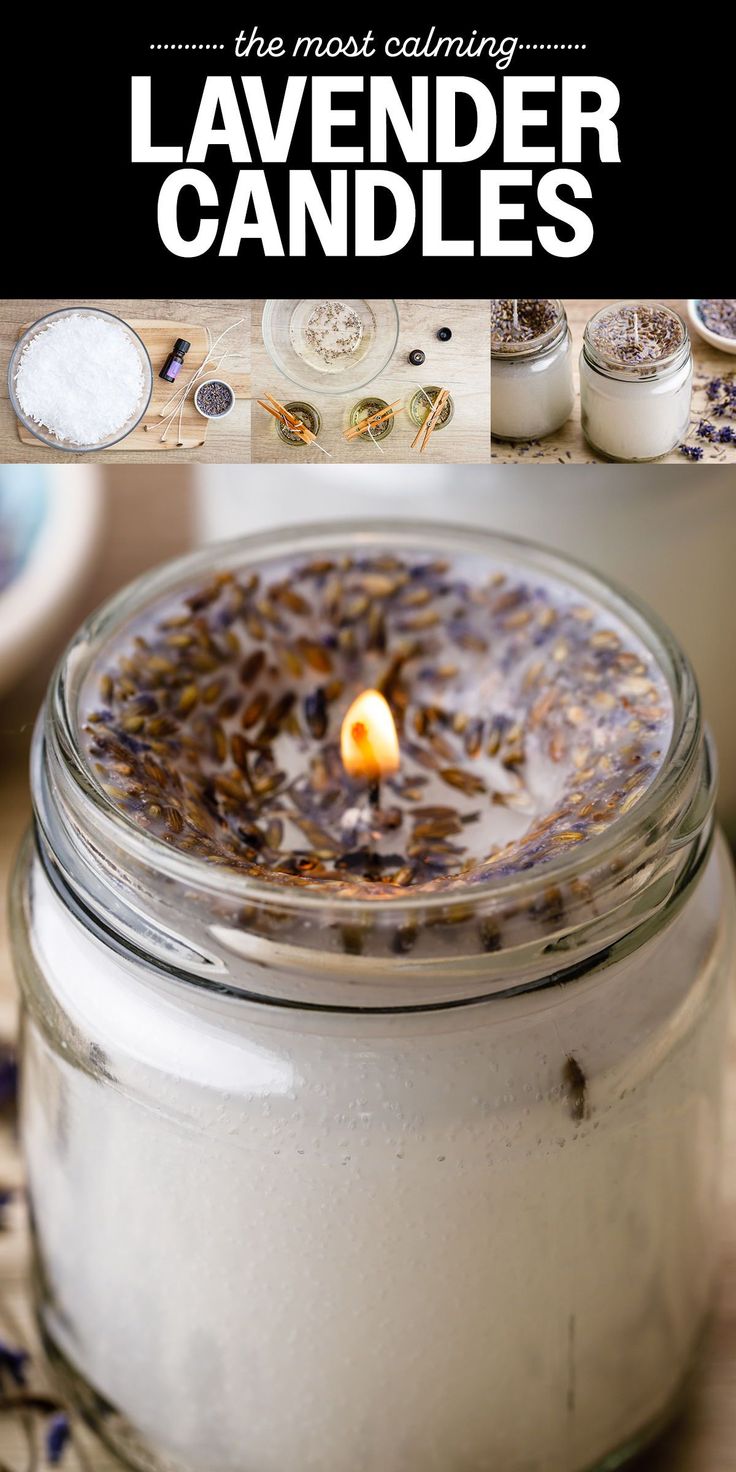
column 407, row 158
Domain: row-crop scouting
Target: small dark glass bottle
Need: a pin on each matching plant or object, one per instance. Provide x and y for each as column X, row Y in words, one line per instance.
column 172, row 367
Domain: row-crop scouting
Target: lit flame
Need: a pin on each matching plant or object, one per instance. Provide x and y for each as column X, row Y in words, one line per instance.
column 369, row 745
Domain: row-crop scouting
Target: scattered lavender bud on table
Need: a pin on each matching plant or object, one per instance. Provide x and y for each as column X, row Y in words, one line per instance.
column 6, row 1196
column 13, row 1362
column 58, row 1434
column 8, row 1078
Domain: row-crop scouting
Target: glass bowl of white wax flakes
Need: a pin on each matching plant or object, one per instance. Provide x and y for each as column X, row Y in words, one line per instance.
column 80, row 379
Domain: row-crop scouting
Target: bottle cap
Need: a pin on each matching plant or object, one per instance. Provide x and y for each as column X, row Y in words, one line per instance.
column 181, row 345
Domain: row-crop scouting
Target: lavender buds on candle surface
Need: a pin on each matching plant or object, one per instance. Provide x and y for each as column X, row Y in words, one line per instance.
column 526, row 720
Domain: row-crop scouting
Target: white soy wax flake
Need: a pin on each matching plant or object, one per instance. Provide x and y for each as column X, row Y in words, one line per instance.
column 81, row 378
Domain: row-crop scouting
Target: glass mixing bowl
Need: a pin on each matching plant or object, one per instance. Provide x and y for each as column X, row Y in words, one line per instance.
column 335, row 354
column 40, row 431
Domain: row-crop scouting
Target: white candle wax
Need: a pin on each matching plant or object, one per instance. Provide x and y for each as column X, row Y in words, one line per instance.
column 268, row 1228
column 635, row 381
column 531, row 368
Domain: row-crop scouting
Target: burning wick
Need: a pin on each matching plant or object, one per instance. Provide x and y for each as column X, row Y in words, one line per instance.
column 369, row 745
column 362, row 740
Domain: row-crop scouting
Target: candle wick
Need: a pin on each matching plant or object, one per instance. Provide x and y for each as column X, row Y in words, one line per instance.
column 516, row 314
column 636, row 328
column 362, row 740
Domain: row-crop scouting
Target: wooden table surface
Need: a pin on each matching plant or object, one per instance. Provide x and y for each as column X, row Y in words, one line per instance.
column 462, row 365
column 569, row 445
column 228, row 441
column 704, row 1440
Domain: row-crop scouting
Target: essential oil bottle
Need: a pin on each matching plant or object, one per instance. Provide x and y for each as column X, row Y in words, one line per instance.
column 172, row 367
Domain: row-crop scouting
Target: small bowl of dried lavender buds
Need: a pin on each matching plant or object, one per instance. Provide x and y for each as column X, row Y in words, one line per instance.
column 214, row 398
column 715, row 320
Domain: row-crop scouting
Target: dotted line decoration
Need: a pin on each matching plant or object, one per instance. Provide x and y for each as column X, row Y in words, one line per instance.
column 219, row 46
column 186, row 46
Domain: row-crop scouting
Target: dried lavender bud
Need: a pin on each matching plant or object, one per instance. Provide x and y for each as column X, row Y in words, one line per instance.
column 13, row 1363
column 722, row 395
column 490, row 935
column 333, row 331
column 315, row 713
column 522, row 319
column 215, row 720
column 632, row 333
column 576, row 1088
column 214, row 398
column 8, row 1078
column 404, row 940
column 58, row 1435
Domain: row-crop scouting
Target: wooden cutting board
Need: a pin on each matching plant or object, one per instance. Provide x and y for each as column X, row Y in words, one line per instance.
column 159, row 337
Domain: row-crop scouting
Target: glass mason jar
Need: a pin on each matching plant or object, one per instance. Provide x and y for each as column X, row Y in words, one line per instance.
column 531, row 381
column 306, row 1196
column 422, row 402
column 309, row 416
column 635, row 411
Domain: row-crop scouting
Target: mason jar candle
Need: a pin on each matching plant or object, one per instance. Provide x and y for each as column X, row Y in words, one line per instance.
column 636, row 375
column 531, row 367
column 375, row 943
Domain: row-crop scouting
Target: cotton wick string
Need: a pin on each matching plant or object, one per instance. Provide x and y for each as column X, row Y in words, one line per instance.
column 217, row 368
column 373, row 438
column 179, row 408
column 211, row 348
column 179, row 402
column 174, row 398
